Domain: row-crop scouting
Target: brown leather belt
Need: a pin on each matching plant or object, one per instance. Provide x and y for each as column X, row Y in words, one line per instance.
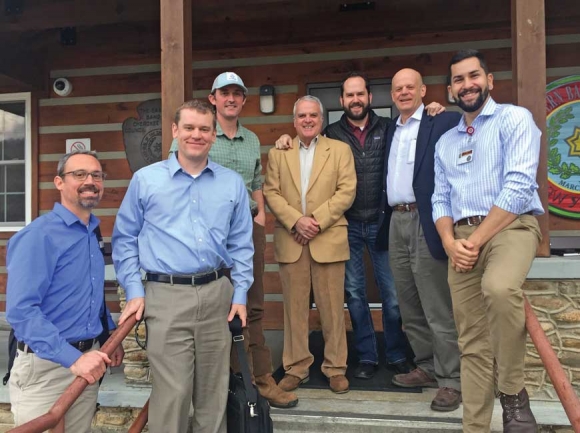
column 193, row 280
column 470, row 221
column 407, row 207
column 477, row 220
column 83, row 345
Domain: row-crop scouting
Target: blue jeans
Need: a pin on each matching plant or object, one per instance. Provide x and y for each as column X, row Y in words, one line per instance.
column 359, row 235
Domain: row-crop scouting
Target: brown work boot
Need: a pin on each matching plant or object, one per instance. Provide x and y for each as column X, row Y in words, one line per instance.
column 339, row 384
column 276, row 396
column 517, row 415
column 416, row 378
column 290, row 383
column 446, row 400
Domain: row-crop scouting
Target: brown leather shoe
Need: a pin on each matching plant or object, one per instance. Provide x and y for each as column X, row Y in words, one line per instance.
column 290, row 383
column 517, row 415
column 446, row 400
column 339, row 384
column 416, row 378
column 276, row 396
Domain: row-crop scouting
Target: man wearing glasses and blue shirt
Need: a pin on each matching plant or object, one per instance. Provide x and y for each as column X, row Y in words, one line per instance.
column 55, row 299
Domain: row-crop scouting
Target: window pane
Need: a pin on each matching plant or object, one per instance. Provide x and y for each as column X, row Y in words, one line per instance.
column 16, row 208
column 2, row 179
column 14, row 149
column 12, row 128
column 15, row 178
column 2, row 207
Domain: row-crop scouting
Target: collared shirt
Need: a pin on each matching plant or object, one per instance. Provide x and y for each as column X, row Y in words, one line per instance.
column 240, row 154
column 306, row 161
column 402, row 160
column 172, row 223
column 358, row 132
column 496, row 165
column 56, row 275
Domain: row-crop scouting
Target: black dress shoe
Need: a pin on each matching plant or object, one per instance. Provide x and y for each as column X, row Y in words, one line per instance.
column 402, row 367
column 517, row 415
column 365, row 371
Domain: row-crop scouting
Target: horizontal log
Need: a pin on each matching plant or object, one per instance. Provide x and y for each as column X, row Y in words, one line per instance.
column 59, row 115
column 109, row 141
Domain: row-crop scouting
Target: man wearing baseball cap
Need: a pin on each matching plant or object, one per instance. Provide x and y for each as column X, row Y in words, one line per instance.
column 238, row 149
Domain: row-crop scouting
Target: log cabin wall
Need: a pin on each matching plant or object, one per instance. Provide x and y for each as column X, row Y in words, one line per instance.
column 113, row 71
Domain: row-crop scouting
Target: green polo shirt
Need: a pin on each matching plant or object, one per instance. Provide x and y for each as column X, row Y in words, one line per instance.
column 240, row 154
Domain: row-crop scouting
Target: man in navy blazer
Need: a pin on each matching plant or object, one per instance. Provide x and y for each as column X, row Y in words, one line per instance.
column 417, row 257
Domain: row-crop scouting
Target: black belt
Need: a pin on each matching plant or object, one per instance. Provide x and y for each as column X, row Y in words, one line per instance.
column 83, row 345
column 254, row 211
column 193, row 280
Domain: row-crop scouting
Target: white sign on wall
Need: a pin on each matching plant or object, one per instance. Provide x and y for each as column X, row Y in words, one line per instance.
column 76, row 144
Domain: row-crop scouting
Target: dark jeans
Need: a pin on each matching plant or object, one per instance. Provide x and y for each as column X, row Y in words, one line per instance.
column 362, row 234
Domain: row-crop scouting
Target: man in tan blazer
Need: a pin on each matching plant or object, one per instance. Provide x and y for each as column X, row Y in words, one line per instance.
column 308, row 188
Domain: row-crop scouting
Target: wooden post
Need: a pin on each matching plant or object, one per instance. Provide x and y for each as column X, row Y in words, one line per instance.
column 529, row 87
column 176, row 71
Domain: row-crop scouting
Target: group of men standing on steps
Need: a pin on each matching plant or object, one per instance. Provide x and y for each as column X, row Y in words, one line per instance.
column 440, row 201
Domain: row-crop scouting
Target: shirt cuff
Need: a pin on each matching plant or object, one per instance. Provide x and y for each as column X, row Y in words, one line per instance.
column 135, row 291
column 67, row 356
column 440, row 212
column 240, row 297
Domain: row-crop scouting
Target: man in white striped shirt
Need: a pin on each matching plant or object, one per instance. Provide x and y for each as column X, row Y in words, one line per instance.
column 483, row 206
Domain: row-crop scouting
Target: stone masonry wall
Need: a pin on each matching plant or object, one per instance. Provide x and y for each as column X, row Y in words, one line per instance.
column 106, row 420
column 557, row 305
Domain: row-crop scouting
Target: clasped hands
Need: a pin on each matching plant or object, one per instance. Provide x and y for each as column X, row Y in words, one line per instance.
column 463, row 254
column 305, row 229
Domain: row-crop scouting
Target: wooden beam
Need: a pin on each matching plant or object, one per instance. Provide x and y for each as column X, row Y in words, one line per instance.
column 529, row 87
column 176, row 61
column 52, row 14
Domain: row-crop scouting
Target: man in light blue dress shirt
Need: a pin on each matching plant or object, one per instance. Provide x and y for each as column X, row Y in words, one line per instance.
column 483, row 206
column 184, row 221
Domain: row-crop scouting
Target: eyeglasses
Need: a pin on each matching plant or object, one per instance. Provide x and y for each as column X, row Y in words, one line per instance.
column 81, row 175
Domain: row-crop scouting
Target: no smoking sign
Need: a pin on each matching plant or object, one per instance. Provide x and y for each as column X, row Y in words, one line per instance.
column 77, row 144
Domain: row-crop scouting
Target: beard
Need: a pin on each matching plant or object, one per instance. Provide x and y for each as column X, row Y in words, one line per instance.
column 475, row 105
column 365, row 110
column 89, row 202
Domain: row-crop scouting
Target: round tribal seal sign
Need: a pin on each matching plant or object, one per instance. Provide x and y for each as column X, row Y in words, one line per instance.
column 563, row 135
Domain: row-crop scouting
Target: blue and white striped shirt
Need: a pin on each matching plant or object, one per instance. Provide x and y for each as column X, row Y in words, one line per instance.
column 500, row 170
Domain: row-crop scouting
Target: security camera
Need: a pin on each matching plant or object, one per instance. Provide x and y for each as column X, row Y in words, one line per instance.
column 62, row 87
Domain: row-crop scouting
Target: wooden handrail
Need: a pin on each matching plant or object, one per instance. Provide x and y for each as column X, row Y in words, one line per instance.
column 553, row 367
column 141, row 420
column 53, row 418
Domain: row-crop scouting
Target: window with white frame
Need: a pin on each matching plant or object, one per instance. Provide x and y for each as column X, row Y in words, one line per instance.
column 15, row 161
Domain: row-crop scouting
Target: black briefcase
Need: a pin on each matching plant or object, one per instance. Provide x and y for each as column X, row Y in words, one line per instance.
column 247, row 410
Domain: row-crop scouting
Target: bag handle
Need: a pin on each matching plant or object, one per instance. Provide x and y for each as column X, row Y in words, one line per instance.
column 238, row 341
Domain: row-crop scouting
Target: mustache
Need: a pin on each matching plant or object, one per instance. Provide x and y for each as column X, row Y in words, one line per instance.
column 356, row 104
column 90, row 188
column 473, row 89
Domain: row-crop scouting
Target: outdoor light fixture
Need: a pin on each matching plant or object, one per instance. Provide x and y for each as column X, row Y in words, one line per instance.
column 267, row 105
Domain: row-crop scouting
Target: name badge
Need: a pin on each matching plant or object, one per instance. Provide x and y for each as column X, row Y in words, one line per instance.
column 412, row 149
column 465, row 157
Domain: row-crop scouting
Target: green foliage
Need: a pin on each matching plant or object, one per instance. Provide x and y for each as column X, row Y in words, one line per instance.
column 555, row 165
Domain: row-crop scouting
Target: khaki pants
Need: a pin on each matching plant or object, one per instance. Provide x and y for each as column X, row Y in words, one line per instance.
column 488, row 304
column 327, row 280
column 259, row 356
column 188, row 345
column 35, row 385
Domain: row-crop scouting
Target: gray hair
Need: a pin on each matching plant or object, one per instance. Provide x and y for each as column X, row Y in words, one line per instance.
column 311, row 99
column 63, row 159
